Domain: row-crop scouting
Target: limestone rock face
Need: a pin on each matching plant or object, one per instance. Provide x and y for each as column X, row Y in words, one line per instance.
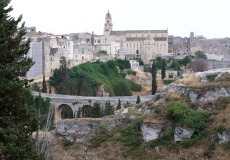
column 182, row 133
column 215, row 94
column 150, row 131
column 224, row 137
column 82, row 129
column 203, row 75
column 192, row 97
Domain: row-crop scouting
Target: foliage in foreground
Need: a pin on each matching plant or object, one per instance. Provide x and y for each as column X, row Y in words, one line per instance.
column 18, row 119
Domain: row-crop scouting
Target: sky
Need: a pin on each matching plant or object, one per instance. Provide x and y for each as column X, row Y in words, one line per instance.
column 209, row 18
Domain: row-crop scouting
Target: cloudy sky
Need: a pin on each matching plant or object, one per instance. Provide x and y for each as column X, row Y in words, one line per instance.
column 204, row 17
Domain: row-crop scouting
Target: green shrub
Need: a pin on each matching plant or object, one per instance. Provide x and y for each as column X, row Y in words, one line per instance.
column 198, row 120
column 170, row 75
column 103, row 128
column 177, row 109
column 99, row 138
column 209, row 152
column 220, row 128
column 127, row 105
column 168, row 81
column 102, row 51
column 66, row 142
column 131, row 72
column 185, row 143
column 211, row 77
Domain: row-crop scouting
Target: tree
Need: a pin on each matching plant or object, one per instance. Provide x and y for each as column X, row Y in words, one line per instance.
column 119, row 104
column 50, row 89
column 175, row 65
column 200, row 54
column 138, row 100
column 96, row 110
column 163, row 69
column 154, row 81
column 18, row 118
column 35, row 87
column 108, row 109
column 44, row 88
column 158, row 62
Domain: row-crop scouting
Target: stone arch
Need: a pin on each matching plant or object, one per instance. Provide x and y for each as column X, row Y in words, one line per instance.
column 64, row 111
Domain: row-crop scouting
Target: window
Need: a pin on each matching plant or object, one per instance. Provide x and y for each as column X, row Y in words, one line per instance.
column 108, row 21
column 99, row 41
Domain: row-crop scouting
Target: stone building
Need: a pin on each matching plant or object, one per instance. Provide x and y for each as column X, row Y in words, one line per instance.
column 145, row 43
column 215, row 49
column 35, row 52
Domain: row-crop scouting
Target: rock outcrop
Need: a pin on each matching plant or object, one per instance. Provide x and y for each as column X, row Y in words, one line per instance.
column 182, row 133
column 215, row 94
column 81, row 130
column 224, row 137
column 150, row 131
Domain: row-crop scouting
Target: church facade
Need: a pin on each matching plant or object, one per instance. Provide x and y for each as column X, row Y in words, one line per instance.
column 144, row 44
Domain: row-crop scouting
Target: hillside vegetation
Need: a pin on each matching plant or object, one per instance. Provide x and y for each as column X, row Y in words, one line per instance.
column 209, row 119
column 85, row 79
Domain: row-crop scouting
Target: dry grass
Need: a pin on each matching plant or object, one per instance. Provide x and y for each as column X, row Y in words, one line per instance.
column 189, row 81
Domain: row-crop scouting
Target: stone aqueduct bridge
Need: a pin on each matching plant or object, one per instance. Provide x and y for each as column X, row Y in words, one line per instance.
column 58, row 101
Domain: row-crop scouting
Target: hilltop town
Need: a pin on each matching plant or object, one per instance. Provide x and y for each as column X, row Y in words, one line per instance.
column 46, row 49
column 126, row 94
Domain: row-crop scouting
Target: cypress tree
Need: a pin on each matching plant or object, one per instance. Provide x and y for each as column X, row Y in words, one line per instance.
column 50, row 91
column 44, row 89
column 18, row 118
column 108, row 109
column 119, row 104
column 138, row 100
column 162, row 68
column 154, row 82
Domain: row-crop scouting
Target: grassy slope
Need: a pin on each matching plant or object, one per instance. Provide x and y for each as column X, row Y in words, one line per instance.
column 92, row 75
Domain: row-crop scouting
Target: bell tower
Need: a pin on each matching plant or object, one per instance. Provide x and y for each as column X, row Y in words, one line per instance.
column 108, row 27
